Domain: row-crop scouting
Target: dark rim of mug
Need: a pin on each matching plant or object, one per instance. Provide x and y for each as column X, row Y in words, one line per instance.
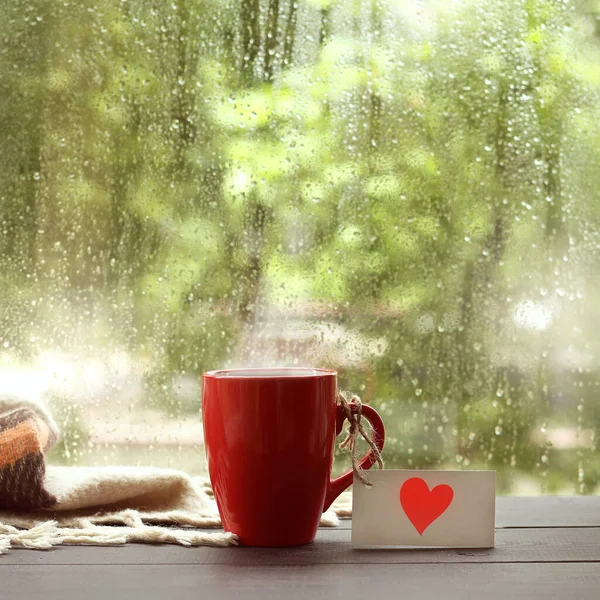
column 270, row 373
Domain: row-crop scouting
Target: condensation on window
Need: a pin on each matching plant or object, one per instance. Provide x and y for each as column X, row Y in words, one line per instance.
column 404, row 190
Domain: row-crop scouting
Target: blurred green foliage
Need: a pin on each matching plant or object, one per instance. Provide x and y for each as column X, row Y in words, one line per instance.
column 193, row 174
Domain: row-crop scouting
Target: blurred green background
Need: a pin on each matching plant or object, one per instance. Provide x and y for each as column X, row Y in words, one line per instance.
column 407, row 191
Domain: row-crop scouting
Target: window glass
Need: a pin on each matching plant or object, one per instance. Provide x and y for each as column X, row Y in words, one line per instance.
column 404, row 190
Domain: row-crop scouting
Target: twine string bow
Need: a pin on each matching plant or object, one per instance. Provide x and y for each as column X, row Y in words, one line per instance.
column 355, row 429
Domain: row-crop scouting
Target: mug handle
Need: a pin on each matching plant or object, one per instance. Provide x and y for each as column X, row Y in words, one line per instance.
column 339, row 484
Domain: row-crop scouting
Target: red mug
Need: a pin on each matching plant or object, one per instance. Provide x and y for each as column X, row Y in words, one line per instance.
column 269, row 436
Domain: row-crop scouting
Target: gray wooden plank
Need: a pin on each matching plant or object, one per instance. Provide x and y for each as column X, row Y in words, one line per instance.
column 579, row 581
column 333, row 547
column 548, row 511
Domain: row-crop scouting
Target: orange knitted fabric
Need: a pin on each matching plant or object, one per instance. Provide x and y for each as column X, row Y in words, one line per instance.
column 23, row 439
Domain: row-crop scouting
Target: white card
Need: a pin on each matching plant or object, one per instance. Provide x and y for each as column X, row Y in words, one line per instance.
column 447, row 509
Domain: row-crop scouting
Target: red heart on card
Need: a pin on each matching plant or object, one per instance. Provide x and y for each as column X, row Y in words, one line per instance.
column 422, row 505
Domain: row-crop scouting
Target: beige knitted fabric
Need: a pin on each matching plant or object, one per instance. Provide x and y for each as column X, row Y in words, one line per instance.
column 146, row 504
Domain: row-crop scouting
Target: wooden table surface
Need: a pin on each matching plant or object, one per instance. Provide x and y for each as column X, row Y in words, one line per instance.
column 546, row 547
